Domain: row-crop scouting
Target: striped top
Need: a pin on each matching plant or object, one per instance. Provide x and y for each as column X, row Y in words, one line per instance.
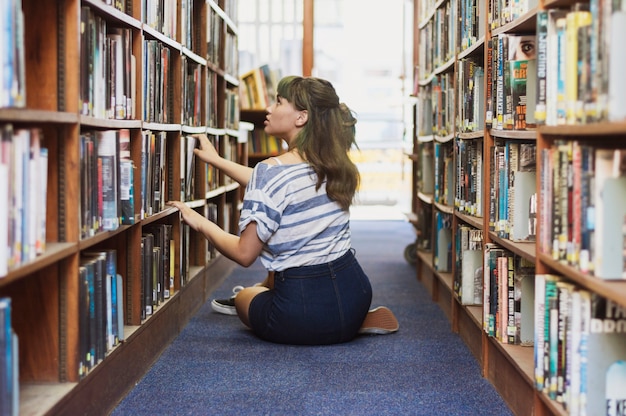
column 299, row 225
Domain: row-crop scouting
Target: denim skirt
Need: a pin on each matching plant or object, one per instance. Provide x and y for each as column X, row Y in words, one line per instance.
column 313, row 305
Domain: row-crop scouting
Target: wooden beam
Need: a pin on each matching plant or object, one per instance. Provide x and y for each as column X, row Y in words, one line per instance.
column 307, row 38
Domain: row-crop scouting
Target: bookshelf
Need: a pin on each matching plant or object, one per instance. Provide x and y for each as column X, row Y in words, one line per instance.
column 145, row 79
column 260, row 146
column 520, row 176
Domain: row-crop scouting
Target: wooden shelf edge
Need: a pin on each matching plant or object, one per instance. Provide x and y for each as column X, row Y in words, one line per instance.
column 109, row 382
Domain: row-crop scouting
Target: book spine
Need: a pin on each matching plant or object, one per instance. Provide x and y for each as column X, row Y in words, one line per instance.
column 489, row 83
column 6, row 189
column 561, row 75
column 511, row 328
column 564, row 291
column 551, row 338
column 540, row 324
column 542, row 66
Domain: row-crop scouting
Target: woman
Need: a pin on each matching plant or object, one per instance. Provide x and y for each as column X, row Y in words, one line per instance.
column 295, row 216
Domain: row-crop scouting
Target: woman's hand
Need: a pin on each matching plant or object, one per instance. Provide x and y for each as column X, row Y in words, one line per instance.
column 244, row 249
column 190, row 216
column 206, row 152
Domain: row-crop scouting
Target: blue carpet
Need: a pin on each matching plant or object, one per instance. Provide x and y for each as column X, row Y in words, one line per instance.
column 216, row 366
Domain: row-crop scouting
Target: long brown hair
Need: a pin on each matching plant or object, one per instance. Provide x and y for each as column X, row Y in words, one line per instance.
column 327, row 137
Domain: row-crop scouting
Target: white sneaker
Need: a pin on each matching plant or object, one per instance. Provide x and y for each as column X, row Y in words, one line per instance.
column 226, row 306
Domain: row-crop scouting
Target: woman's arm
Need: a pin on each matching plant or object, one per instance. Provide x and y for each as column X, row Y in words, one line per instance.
column 208, row 154
column 244, row 249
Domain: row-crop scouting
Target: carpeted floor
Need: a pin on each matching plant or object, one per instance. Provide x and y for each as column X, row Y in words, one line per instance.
column 216, row 366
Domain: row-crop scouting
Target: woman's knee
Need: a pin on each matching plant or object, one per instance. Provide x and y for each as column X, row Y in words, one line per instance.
column 243, row 300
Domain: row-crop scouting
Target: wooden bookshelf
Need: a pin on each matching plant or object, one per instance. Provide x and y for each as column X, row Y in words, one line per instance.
column 261, row 146
column 439, row 68
column 199, row 96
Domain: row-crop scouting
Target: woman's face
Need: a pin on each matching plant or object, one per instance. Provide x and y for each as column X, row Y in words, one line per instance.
column 283, row 120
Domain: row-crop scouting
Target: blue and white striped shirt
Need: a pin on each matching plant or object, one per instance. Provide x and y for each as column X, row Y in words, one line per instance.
column 299, row 225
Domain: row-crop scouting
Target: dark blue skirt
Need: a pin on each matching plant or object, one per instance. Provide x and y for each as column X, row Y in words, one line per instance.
column 313, row 305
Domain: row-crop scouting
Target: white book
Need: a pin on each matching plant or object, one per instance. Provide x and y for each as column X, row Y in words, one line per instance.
column 572, row 355
column 33, row 199
column 540, row 324
column 471, row 264
column 40, row 238
column 617, row 62
column 16, row 220
column 606, row 348
column 610, row 214
column 615, row 394
column 525, row 187
column 108, row 157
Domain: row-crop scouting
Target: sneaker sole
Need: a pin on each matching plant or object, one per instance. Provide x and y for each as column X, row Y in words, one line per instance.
column 379, row 321
column 226, row 310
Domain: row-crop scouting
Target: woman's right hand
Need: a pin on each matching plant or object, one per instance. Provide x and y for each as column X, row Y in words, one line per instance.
column 206, row 152
column 190, row 216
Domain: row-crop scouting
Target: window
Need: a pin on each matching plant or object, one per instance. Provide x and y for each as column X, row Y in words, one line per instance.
column 270, row 32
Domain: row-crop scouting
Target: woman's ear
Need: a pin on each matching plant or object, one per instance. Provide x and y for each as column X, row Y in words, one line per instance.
column 303, row 117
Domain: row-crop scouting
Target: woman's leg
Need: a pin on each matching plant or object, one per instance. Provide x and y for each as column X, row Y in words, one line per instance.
column 269, row 280
column 243, row 300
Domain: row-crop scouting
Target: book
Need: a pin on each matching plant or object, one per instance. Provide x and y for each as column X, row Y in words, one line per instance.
column 542, row 66
column 565, row 290
column 99, row 317
column 525, row 189
column 605, row 355
column 257, row 92
column 127, row 180
column 162, row 239
column 489, row 76
column 507, row 282
column 539, row 335
column 112, row 301
column 13, row 79
column 159, row 175
column 491, row 295
column 615, row 380
column 32, row 197
column 574, row 339
column 471, row 267
column 108, row 190
column 442, row 257
column 187, row 145
column 147, row 269
column 519, row 96
column 89, row 306
column 551, row 338
column 7, row 382
column 610, row 209
column 524, row 297
column 617, row 60
column 18, row 175
column 42, row 195
column 560, row 76
column 84, row 358
column 546, row 320
column 5, row 186
column 575, row 20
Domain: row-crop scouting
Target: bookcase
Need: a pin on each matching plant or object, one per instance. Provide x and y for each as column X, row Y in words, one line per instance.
column 518, row 182
column 100, row 104
column 261, row 145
